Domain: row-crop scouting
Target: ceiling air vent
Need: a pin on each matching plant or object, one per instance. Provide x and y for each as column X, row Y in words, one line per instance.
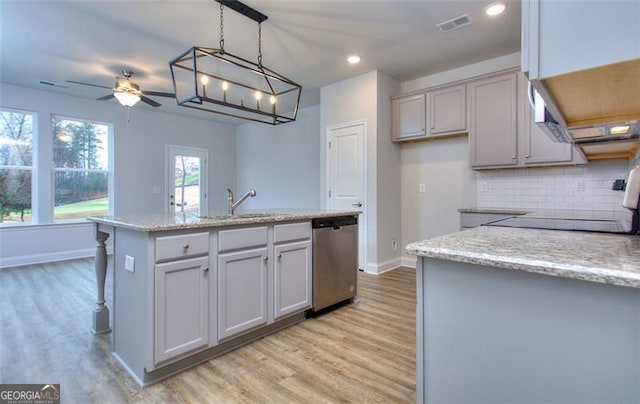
column 454, row 23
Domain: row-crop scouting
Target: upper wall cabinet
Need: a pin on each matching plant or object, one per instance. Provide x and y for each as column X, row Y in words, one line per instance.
column 436, row 113
column 447, row 110
column 584, row 61
column 408, row 117
column 502, row 133
column 493, row 121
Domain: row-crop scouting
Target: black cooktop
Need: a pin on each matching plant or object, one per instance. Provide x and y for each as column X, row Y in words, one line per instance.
column 602, row 226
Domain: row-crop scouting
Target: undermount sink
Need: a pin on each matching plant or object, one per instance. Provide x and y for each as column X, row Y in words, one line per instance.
column 250, row 215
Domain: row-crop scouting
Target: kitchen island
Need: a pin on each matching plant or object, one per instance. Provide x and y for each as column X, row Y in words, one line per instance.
column 187, row 289
column 524, row 315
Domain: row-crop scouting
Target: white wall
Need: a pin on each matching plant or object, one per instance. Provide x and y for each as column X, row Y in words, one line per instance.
column 366, row 98
column 281, row 162
column 139, row 154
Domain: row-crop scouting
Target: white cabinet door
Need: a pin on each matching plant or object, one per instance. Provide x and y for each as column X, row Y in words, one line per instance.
column 181, row 302
column 292, row 278
column 242, row 291
column 493, row 121
column 448, row 110
column 408, row 117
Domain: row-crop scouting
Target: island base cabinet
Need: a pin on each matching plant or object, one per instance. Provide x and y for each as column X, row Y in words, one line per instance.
column 242, row 291
column 292, row 278
column 181, row 307
column 497, row 335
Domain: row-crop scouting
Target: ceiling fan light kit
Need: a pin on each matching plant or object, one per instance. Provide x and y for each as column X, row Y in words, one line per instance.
column 214, row 80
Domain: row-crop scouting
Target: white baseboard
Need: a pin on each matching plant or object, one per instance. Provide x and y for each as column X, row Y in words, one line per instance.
column 382, row 267
column 48, row 257
column 409, row 261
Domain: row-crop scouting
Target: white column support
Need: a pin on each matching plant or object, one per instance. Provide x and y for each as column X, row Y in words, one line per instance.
column 101, row 311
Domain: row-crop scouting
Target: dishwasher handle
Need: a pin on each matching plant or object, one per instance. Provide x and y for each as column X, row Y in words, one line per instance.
column 335, row 222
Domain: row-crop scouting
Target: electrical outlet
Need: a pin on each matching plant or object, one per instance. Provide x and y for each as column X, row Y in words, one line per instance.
column 394, row 244
column 156, row 190
column 422, row 187
column 129, row 263
column 484, row 187
column 579, row 186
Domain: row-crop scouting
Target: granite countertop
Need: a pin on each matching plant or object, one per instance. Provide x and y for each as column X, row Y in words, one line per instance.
column 597, row 257
column 151, row 223
column 554, row 213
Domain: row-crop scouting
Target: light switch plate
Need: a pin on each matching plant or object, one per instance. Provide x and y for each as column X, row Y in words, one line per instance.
column 422, row 187
column 129, row 263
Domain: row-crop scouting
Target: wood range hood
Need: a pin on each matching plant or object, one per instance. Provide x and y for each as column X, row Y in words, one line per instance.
column 598, row 96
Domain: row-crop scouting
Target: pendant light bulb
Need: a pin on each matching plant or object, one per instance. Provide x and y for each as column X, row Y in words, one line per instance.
column 258, row 95
column 204, row 80
column 225, row 86
column 272, row 99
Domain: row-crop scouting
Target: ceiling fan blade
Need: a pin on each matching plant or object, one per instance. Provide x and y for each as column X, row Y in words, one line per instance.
column 158, row 94
column 106, row 97
column 88, row 84
column 149, row 101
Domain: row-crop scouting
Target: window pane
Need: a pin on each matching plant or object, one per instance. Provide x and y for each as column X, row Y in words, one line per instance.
column 80, row 194
column 16, row 139
column 15, row 195
column 78, row 144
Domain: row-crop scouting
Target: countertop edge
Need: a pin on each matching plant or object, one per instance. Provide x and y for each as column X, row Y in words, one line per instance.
column 157, row 223
column 484, row 246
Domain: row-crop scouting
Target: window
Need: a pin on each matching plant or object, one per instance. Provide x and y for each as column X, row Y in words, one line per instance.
column 81, row 168
column 16, row 166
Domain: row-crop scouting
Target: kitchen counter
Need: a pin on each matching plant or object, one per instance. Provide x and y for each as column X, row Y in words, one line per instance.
column 152, row 223
column 187, row 289
column 524, row 315
column 497, row 211
column 597, row 257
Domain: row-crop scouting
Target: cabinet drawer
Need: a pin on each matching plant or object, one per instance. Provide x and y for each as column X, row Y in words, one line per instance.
column 291, row 232
column 242, row 238
column 181, row 246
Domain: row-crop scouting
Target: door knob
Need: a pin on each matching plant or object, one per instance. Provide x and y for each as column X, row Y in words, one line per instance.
column 359, row 204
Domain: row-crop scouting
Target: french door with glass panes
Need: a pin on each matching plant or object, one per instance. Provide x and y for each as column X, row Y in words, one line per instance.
column 187, row 183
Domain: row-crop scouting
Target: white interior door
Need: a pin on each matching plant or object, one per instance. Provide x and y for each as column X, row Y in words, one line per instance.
column 346, row 179
column 187, row 184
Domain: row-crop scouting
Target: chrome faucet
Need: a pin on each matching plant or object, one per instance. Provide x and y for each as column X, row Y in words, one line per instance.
column 233, row 205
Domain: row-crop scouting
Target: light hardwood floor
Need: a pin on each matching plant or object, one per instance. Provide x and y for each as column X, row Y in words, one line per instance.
column 361, row 353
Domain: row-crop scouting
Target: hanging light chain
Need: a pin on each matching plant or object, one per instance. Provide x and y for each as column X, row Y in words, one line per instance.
column 259, row 44
column 221, row 27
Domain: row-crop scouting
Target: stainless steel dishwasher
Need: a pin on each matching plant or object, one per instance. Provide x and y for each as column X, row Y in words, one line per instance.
column 335, row 260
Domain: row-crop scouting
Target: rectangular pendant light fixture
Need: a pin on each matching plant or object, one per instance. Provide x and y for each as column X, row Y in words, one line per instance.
column 214, row 80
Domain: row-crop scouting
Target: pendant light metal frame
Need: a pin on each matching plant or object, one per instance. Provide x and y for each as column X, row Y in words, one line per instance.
column 273, row 85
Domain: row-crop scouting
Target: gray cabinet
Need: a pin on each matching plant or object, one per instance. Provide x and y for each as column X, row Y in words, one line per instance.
column 242, row 280
column 242, row 291
column 292, row 266
column 436, row 113
column 447, row 110
column 408, row 117
column 556, row 39
column 502, row 128
column 493, row 121
column 181, row 300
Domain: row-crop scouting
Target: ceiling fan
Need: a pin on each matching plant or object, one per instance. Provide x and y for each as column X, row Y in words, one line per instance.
column 127, row 92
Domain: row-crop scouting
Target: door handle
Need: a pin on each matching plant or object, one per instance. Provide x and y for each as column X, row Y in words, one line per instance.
column 359, row 204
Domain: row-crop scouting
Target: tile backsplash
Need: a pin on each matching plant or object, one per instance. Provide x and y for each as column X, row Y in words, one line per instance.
column 586, row 187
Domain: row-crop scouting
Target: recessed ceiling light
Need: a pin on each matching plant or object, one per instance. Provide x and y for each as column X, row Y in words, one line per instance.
column 495, row 9
column 353, row 59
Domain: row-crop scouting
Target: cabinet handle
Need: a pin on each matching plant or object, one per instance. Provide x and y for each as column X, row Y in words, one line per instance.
column 526, row 156
column 279, row 256
column 513, row 157
column 266, row 258
column 185, row 247
column 205, row 269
